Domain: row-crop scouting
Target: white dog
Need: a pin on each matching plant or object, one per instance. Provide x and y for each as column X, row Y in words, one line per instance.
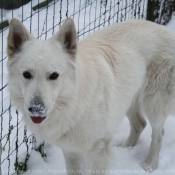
column 75, row 95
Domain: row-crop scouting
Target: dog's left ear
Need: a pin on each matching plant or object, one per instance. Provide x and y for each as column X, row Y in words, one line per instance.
column 67, row 36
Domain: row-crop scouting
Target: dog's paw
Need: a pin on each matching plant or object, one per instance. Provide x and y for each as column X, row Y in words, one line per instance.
column 149, row 167
column 127, row 144
column 122, row 144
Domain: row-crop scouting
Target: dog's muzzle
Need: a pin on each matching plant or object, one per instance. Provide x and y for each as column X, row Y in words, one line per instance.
column 37, row 110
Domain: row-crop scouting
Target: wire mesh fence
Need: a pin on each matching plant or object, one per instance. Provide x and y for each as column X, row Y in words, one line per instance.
column 43, row 18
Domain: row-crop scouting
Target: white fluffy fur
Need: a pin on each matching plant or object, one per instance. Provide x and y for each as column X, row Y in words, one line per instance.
column 128, row 68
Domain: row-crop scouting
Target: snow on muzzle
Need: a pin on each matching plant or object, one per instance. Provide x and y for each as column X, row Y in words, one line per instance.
column 37, row 110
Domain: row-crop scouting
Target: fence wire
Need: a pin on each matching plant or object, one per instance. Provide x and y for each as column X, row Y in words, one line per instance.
column 43, row 19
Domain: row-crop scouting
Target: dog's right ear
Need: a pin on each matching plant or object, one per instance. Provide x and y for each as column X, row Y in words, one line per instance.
column 18, row 34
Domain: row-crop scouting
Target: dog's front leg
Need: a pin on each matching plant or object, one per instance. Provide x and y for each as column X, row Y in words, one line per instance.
column 98, row 159
column 73, row 163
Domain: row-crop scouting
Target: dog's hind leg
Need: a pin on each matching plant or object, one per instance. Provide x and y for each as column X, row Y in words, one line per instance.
column 151, row 161
column 137, row 124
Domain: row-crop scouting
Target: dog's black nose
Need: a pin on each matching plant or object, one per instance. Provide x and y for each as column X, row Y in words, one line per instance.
column 36, row 106
column 37, row 109
column 30, row 109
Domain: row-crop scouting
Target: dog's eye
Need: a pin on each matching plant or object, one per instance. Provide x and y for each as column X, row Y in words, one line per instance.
column 54, row 76
column 27, row 75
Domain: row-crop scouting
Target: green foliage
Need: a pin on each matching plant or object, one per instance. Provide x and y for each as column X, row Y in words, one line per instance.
column 21, row 167
column 40, row 149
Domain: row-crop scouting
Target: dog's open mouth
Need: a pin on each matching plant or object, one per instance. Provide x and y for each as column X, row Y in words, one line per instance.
column 37, row 119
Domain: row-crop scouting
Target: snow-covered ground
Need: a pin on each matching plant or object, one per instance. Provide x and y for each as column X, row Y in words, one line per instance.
column 127, row 160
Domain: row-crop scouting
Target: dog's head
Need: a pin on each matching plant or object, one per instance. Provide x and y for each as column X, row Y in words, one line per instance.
column 41, row 73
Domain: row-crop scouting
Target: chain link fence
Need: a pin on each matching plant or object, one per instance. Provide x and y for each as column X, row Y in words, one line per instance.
column 43, row 18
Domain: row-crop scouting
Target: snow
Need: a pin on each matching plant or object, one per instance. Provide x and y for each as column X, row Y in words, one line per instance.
column 127, row 160
column 171, row 24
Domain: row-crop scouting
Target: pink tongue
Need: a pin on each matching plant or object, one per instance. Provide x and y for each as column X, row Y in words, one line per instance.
column 37, row 120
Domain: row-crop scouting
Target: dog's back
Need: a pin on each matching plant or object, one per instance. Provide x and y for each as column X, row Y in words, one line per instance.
column 155, row 46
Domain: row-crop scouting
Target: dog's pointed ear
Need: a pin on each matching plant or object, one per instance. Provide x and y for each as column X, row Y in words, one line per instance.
column 67, row 36
column 18, row 34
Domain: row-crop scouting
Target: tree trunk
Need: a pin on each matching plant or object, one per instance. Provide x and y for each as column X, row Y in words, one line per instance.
column 160, row 11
